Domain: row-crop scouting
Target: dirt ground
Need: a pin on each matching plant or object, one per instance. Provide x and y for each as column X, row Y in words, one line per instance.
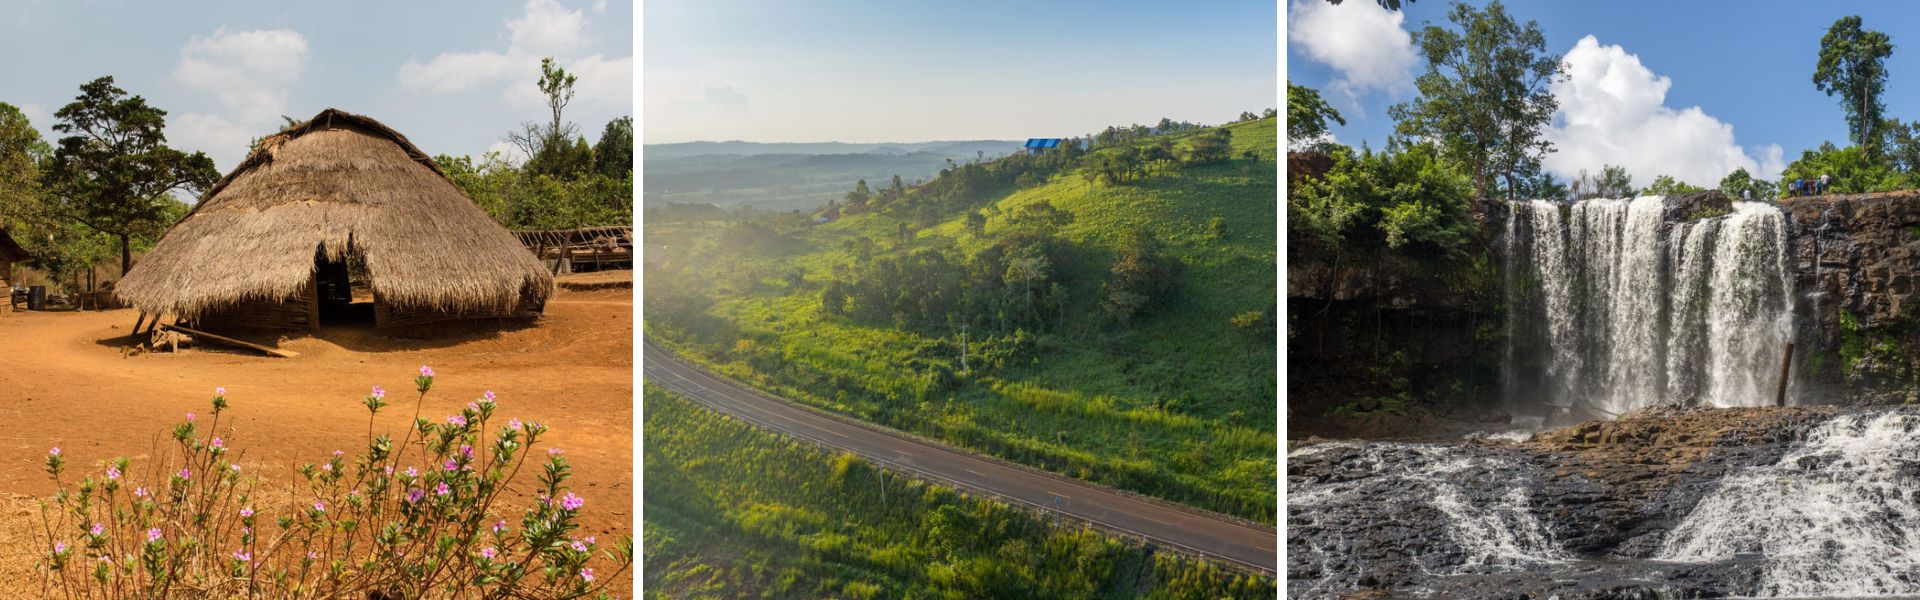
column 66, row 381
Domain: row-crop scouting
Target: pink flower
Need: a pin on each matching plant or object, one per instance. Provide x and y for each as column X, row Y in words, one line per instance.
column 388, row 470
column 426, row 371
column 140, row 492
column 555, row 452
column 327, row 467
column 246, row 512
column 96, row 530
column 513, row 423
column 412, row 472
column 586, row 573
column 489, row 395
column 414, row 495
column 320, row 507
column 442, row 489
column 220, row 391
column 153, row 535
column 217, row 443
column 234, row 468
column 456, row 420
column 466, row 451
column 242, row 555
column 189, row 417
column 59, row 547
column 339, row 453
column 54, row 452
column 577, row 546
column 572, row 502
column 500, row 526
column 113, row 471
column 379, row 392
column 185, row 474
column 451, row 465
column 473, row 406
column 487, row 552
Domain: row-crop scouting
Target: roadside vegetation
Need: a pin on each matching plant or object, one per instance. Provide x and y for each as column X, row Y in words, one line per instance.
column 736, row 512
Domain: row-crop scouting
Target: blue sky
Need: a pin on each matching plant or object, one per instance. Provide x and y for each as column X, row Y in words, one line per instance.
column 452, row 76
column 1745, row 66
column 874, row 71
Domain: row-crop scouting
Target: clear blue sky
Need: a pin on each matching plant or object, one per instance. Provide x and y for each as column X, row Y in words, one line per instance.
column 1748, row 65
column 873, row 70
column 453, row 76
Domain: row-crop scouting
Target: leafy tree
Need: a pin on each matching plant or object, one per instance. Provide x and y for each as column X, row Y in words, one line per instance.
column 1307, row 115
column 1853, row 66
column 1386, row 4
column 533, row 138
column 1741, row 185
column 1213, row 145
column 1612, row 182
column 114, row 172
column 1405, row 200
column 976, row 223
column 1540, row 186
column 1484, row 97
column 1901, row 144
column 1142, row 275
column 613, row 155
column 859, row 195
column 562, row 159
column 1852, row 168
column 21, row 152
column 1666, row 185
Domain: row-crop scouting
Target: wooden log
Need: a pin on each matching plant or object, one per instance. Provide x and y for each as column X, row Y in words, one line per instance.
column 272, row 351
column 1786, row 363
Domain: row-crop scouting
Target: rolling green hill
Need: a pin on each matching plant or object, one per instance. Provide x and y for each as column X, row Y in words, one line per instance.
column 1118, row 326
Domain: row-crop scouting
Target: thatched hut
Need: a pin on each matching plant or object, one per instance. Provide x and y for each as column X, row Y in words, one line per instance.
column 278, row 242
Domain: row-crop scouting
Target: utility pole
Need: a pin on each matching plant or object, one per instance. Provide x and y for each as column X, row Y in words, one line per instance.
column 963, row 349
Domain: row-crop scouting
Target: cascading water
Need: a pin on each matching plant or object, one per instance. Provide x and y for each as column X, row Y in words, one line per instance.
column 1627, row 308
column 1837, row 516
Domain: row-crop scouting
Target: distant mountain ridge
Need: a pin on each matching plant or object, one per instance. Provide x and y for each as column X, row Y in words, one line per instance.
column 740, row 148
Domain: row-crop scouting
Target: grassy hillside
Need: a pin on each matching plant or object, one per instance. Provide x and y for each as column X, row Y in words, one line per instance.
column 862, row 315
column 785, row 177
column 735, row 512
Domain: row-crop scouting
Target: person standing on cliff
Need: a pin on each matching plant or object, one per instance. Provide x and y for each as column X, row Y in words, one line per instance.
column 1825, row 180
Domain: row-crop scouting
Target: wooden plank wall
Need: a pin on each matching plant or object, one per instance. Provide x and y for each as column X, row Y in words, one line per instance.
column 295, row 314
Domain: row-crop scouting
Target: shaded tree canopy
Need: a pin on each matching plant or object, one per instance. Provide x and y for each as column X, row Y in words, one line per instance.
column 1853, row 66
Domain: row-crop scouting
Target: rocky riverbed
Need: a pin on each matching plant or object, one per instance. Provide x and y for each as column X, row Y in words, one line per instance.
column 1662, row 503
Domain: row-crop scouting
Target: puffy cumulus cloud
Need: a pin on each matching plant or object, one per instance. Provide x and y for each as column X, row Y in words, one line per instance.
column 249, row 73
column 1613, row 112
column 1362, row 41
column 545, row 28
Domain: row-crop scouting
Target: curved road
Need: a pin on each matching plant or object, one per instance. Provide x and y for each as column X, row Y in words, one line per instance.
column 1185, row 528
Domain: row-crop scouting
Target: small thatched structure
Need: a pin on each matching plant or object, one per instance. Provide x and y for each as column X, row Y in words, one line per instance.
column 269, row 245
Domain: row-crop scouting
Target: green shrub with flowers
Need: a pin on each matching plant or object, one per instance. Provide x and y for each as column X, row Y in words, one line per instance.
column 424, row 517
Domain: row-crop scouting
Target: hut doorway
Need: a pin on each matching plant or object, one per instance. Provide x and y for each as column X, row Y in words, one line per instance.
column 343, row 291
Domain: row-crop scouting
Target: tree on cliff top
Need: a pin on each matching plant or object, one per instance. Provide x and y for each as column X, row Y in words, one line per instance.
column 1307, row 116
column 1485, row 96
column 1853, row 66
column 1666, row 185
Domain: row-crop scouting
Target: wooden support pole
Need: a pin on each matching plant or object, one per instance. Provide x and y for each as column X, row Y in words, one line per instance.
column 1786, row 364
column 135, row 334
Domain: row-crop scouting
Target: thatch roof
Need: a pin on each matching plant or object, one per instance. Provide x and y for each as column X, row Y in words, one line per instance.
column 335, row 182
column 10, row 250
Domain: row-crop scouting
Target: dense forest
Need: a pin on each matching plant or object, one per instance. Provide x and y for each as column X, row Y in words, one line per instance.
column 736, row 512
column 1102, row 310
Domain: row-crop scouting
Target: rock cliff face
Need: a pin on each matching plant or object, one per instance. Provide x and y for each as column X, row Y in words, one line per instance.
column 1856, row 258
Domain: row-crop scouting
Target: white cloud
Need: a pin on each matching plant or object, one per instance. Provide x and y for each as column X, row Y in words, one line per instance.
column 1612, row 111
column 599, row 6
column 544, row 29
column 508, row 152
column 1362, row 41
column 249, row 72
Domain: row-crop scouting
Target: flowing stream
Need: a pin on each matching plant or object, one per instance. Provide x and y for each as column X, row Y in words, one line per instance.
column 1621, row 306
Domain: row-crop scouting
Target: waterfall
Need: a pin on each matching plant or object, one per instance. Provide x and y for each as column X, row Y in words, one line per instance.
column 1837, row 516
column 1635, row 310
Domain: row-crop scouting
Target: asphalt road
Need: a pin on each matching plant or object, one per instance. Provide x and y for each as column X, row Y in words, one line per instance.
column 1190, row 529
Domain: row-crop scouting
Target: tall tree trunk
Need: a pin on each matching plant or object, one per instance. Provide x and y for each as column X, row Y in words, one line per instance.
column 126, row 255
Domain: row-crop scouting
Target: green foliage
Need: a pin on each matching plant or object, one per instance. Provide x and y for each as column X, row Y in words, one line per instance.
column 1307, row 115
column 1739, row 185
column 560, row 158
column 1215, row 145
column 1484, row 97
column 521, row 199
column 613, row 154
column 1666, row 185
column 733, row 512
column 1173, row 403
column 1612, row 182
column 113, row 172
column 1852, row 66
column 1404, row 200
column 1853, row 169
